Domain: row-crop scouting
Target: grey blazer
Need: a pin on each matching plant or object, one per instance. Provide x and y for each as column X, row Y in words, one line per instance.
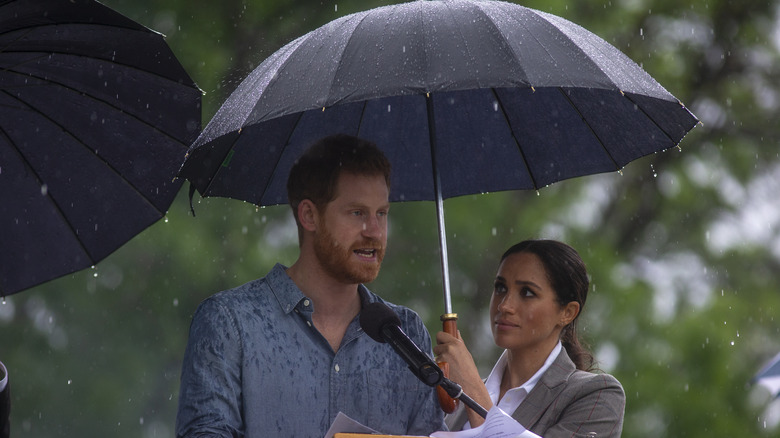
column 567, row 403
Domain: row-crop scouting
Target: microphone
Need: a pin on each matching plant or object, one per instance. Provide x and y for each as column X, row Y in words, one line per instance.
column 383, row 325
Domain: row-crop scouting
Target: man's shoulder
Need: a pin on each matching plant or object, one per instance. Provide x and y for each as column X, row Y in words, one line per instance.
column 249, row 291
column 411, row 322
column 403, row 312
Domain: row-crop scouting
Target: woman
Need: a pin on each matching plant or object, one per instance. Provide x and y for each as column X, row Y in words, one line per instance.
column 544, row 378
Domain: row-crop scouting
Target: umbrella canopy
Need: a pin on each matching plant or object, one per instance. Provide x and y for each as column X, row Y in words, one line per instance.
column 96, row 114
column 516, row 99
column 464, row 96
column 769, row 376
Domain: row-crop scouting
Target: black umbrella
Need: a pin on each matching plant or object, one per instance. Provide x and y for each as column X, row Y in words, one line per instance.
column 96, row 114
column 464, row 96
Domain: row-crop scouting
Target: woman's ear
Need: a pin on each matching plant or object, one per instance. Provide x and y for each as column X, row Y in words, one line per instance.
column 307, row 215
column 570, row 312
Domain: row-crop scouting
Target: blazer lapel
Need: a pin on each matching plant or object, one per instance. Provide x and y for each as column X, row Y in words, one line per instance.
column 545, row 392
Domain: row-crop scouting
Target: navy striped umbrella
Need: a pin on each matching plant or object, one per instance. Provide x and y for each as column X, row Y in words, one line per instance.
column 96, row 114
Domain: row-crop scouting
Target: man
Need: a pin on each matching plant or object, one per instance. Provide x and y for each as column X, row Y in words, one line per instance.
column 283, row 355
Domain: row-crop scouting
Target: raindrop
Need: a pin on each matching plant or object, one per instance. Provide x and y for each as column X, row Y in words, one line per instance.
column 493, row 231
column 175, row 302
column 44, row 189
column 495, row 105
column 336, row 7
column 655, row 174
column 388, row 108
column 70, row 381
column 166, row 219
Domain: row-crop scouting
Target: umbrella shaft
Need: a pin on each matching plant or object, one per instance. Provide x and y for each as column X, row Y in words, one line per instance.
column 444, row 261
column 445, row 270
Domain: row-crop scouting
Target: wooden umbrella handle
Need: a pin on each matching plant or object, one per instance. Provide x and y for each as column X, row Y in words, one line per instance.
column 449, row 325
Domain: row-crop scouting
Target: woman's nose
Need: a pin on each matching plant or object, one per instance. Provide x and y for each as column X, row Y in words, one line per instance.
column 507, row 304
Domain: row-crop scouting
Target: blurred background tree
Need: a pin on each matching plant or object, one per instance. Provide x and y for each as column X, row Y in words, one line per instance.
column 682, row 247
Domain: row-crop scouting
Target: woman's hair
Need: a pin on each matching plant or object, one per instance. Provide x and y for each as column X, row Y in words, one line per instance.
column 569, row 279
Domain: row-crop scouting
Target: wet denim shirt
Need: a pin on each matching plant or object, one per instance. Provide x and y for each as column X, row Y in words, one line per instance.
column 255, row 366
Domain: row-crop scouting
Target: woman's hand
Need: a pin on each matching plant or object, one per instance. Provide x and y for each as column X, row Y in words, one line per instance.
column 463, row 371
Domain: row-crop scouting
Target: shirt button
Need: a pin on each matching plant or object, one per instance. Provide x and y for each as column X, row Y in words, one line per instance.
column 337, row 368
column 306, row 303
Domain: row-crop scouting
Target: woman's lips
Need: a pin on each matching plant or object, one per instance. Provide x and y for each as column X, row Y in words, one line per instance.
column 503, row 324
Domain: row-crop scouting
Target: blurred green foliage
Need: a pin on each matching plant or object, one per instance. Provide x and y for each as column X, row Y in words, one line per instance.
column 682, row 247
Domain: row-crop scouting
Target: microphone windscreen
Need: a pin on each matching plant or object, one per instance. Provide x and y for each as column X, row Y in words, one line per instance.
column 374, row 316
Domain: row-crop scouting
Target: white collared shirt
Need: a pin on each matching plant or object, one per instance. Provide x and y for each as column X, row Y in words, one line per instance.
column 514, row 396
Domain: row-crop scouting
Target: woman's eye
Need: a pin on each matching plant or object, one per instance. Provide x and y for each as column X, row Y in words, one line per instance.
column 499, row 289
column 526, row 292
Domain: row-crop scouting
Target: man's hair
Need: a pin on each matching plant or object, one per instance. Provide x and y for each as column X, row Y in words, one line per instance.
column 315, row 174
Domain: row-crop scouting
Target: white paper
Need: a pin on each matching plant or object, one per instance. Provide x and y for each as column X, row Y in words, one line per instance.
column 343, row 424
column 497, row 425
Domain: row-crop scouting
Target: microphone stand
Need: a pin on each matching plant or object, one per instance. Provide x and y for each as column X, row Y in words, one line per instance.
column 455, row 391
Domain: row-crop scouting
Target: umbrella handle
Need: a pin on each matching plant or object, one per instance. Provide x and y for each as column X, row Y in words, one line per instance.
column 449, row 325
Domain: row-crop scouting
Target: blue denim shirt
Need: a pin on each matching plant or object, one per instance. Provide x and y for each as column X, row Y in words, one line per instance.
column 255, row 366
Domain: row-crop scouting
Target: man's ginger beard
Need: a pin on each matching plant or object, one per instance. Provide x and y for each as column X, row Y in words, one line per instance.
column 338, row 260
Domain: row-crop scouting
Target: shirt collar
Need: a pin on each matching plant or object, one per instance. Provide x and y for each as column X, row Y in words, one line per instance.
column 493, row 382
column 289, row 296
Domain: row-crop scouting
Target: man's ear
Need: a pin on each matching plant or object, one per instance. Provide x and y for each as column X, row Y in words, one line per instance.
column 307, row 215
column 570, row 311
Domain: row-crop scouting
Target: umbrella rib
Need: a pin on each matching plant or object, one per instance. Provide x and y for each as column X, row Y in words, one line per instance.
column 506, row 41
column 514, row 136
column 103, row 101
column 137, row 30
column 595, row 135
column 108, row 103
column 341, row 60
column 275, row 167
column 651, row 119
column 53, row 201
column 98, row 156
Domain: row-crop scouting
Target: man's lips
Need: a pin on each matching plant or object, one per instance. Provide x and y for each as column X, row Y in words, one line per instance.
column 366, row 252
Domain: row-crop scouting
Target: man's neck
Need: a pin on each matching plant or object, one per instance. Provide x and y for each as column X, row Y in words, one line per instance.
column 336, row 304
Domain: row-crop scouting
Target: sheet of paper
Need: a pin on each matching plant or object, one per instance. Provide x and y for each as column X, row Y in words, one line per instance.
column 343, row 424
column 497, row 425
